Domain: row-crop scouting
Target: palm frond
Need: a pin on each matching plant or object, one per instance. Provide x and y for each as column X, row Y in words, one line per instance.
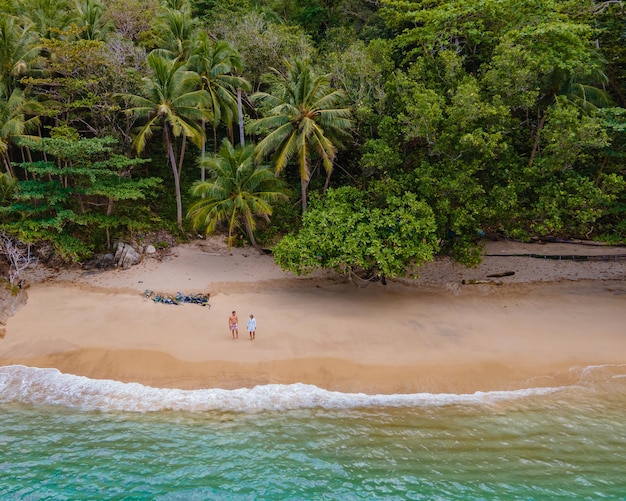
column 144, row 134
column 282, row 140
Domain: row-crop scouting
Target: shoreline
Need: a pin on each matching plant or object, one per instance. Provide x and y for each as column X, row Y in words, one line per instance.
column 427, row 335
column 146, row 368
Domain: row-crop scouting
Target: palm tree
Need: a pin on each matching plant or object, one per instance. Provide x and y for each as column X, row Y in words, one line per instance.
column 176, row 30
column 90, row 17
column 17, row 49
column 238, row 191
column 7, row 187
column 303, row 118
column 51, row 17
column 177, row 5
column 14, row 122
column 587, row 93
column 215, row 63
column 174, row 104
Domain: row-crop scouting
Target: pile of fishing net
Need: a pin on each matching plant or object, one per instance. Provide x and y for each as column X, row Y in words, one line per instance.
column 178, row 298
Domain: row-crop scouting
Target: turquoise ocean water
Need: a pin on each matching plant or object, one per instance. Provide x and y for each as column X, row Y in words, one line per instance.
column 69, row 437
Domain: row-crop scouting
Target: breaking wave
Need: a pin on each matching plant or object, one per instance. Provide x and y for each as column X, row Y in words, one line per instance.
column 36, row 386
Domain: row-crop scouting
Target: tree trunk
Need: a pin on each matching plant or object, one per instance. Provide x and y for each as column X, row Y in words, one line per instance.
column 604, row 163
column 108, row 228
column 327, row 182
column 304, row 185
column 251, row 235
column 7, row 165
column 202, row 169
column 181, row 157
column 535, row 149
column 230, row 134
column 231, row 226
column 242, row 139
column 170, row 151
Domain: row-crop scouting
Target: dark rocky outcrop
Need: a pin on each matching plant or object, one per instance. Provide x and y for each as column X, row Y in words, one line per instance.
column 126, row 256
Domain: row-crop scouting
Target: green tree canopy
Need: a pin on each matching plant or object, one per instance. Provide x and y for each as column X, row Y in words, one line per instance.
column 361, row 234
column 76, row 197
column 174, row 103
column 18, row 116
column 217, row 63
column 18, row 49
column 303, row 121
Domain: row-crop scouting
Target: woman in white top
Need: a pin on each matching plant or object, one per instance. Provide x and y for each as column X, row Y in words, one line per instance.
column 252, row 327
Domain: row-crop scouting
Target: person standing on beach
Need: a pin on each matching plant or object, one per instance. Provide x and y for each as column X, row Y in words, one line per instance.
column 252, row 327
column 233, row 324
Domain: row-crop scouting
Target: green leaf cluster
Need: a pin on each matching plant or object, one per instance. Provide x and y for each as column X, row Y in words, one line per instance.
column 237, row 193
column 501, row 118
column 78, row 197
column 359, row 233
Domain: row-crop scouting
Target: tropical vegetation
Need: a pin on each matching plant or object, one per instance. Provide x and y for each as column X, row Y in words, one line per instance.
column 237, row 193
column 398, row 129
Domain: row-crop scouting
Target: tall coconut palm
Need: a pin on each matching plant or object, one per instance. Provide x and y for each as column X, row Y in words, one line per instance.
column 238, row 191
column 18, row 116
column 51, row 17
column 176, row 30
column 175, row 104
column 7, row 187
column 177, row 5
column 303, row 116
column 90, row 17
column 215, row 62
column 587, row 93
column 17, row 49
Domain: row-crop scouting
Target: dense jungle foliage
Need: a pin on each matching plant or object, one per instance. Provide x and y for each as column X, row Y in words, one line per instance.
column 362, row 136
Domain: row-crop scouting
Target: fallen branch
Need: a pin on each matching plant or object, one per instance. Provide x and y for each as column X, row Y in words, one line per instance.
column 19, row 255
column 570, row 257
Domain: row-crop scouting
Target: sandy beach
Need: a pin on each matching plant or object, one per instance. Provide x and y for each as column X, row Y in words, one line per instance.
column 452, row 329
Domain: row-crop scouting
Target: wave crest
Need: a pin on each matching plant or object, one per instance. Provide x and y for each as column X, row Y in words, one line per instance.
column 31, row 385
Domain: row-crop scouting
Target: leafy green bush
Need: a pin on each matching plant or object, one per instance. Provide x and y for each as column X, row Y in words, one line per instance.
column 357, row 233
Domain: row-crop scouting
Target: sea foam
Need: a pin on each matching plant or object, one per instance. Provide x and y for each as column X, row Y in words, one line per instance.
column 31, row 385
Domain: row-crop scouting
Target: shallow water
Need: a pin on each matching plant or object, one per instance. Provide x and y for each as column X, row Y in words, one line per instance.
column 68, row 437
